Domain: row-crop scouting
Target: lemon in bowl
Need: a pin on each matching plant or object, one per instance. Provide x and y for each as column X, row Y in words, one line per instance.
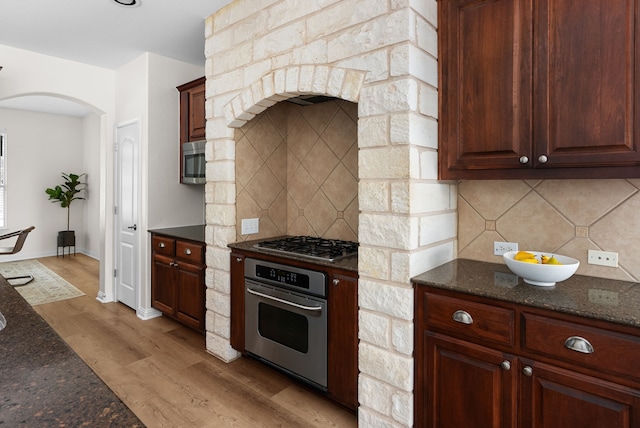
column 540, row 268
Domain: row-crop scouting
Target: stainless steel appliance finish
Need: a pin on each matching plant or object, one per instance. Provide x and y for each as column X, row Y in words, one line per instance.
column 311, row 247
column 193, row 162
column 286, row 319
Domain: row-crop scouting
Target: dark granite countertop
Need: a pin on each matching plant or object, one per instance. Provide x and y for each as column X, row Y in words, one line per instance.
column 192, row 233
column 347, row 263
column 599, row 298
column 43, row 382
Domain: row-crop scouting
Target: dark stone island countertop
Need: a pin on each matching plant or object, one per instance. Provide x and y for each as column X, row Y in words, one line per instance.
column 599, row 298
column 43, row 382
column 192, row 233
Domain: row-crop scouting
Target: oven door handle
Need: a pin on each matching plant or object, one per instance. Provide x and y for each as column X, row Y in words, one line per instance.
column 286, row 302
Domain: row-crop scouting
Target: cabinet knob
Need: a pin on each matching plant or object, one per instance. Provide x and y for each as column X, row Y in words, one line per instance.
column 506, row 365
column 161, row 245
column 527, row 371
column 187, row 251
column 543, row 159
column 524, row 159
column 462, row 317
column 239, row 259
column 579, row 344
column 335, row 281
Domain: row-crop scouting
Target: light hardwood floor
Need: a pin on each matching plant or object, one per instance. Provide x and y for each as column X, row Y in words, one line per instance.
column 162, row 372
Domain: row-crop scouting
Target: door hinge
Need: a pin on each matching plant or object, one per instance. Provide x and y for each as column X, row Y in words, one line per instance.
column 115, row 210
column 115, row 273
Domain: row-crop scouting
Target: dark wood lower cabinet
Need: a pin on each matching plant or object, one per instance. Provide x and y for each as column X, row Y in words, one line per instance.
column 342, row 346
column 527, row 377
column 554, row 397
column 342, row 323
column 467, row 385
column 177, row 280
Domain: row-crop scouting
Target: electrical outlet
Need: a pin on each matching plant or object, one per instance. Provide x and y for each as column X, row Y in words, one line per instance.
column 603, row 258
column 499, row 248
column 250, row 226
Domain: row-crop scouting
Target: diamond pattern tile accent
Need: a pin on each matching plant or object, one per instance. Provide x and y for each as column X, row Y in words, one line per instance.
column 568, row 217
column 492, row 198
column 294, row 181
column 264, row 187
column 341, row 187
column 534, row 224
column 320, row 213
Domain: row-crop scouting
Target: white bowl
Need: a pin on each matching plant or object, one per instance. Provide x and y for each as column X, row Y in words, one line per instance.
column 544, row 275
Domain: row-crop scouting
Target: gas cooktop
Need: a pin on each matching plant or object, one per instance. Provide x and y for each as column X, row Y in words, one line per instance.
column 311, row 247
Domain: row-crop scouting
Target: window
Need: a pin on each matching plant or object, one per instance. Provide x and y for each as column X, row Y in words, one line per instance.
column 3, row 180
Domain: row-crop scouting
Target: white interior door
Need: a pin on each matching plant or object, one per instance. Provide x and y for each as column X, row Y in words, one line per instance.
column 126, row 213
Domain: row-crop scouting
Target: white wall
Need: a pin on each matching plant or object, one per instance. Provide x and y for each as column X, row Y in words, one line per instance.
column 145, row 91
column 39, row 147
column 26, row 73
column 91, row 241
column 165, row 193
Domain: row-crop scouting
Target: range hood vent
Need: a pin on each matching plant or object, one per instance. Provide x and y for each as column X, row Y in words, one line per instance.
column 307, row 100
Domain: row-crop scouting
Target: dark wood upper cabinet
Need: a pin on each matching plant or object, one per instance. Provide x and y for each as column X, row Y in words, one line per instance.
column 193, row 120
column 539, row 89
column 192, row 111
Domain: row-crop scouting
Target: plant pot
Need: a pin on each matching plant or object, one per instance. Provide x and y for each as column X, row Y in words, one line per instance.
column 67, row 238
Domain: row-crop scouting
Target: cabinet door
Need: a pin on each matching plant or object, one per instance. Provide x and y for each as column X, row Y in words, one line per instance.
column 467, row 385
column 163, row 291
column 190, row 290
column 558, row 398
column 237, row 301
column 586, row 82
column 342, row 370
column 192, row 110
column 197, row 121
column 485, row 89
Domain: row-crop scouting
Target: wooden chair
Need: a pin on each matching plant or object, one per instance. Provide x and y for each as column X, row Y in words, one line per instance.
column 17, row 246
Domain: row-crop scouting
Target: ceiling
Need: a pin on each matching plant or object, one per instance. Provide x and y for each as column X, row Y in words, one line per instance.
column 102, row 33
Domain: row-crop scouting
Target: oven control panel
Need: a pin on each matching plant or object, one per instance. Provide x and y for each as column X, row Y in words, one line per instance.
column 304, row 280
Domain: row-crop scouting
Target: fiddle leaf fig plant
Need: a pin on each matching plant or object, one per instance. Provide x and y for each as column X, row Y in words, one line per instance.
column 67, row 192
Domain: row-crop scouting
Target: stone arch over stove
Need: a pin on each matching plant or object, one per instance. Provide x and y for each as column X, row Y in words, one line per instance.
column 380, row 55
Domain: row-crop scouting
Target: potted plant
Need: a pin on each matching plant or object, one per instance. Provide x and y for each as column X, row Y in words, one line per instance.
column 65, row 194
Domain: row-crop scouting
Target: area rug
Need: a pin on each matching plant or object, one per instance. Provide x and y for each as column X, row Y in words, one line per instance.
column 46, row 286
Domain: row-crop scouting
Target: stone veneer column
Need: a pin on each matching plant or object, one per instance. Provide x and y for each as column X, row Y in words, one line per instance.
column 383, row 56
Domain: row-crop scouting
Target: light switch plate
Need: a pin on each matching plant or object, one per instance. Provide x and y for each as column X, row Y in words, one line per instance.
column 250, row 226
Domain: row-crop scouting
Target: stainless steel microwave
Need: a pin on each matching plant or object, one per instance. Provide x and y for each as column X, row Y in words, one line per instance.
column 193, row 162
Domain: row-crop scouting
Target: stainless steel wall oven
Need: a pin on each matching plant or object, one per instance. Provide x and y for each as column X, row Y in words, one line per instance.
column 286, row 319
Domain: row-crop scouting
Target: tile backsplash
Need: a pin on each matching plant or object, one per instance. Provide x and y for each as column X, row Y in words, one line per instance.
column 297, row 169
column 567, row 217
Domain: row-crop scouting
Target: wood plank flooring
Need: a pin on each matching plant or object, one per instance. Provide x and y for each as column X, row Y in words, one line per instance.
column 162, row 372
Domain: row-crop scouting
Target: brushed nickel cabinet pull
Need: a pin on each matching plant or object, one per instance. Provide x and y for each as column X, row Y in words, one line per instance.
column 462, row 317
column 161, row 245
column 579, row 344
column 506, row 365
column 527, row 371
column 187, row 251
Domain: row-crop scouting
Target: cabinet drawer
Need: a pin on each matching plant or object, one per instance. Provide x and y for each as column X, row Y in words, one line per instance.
column 163, row 245
column 189, row 251
column 474, row 321
column 606, row 350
